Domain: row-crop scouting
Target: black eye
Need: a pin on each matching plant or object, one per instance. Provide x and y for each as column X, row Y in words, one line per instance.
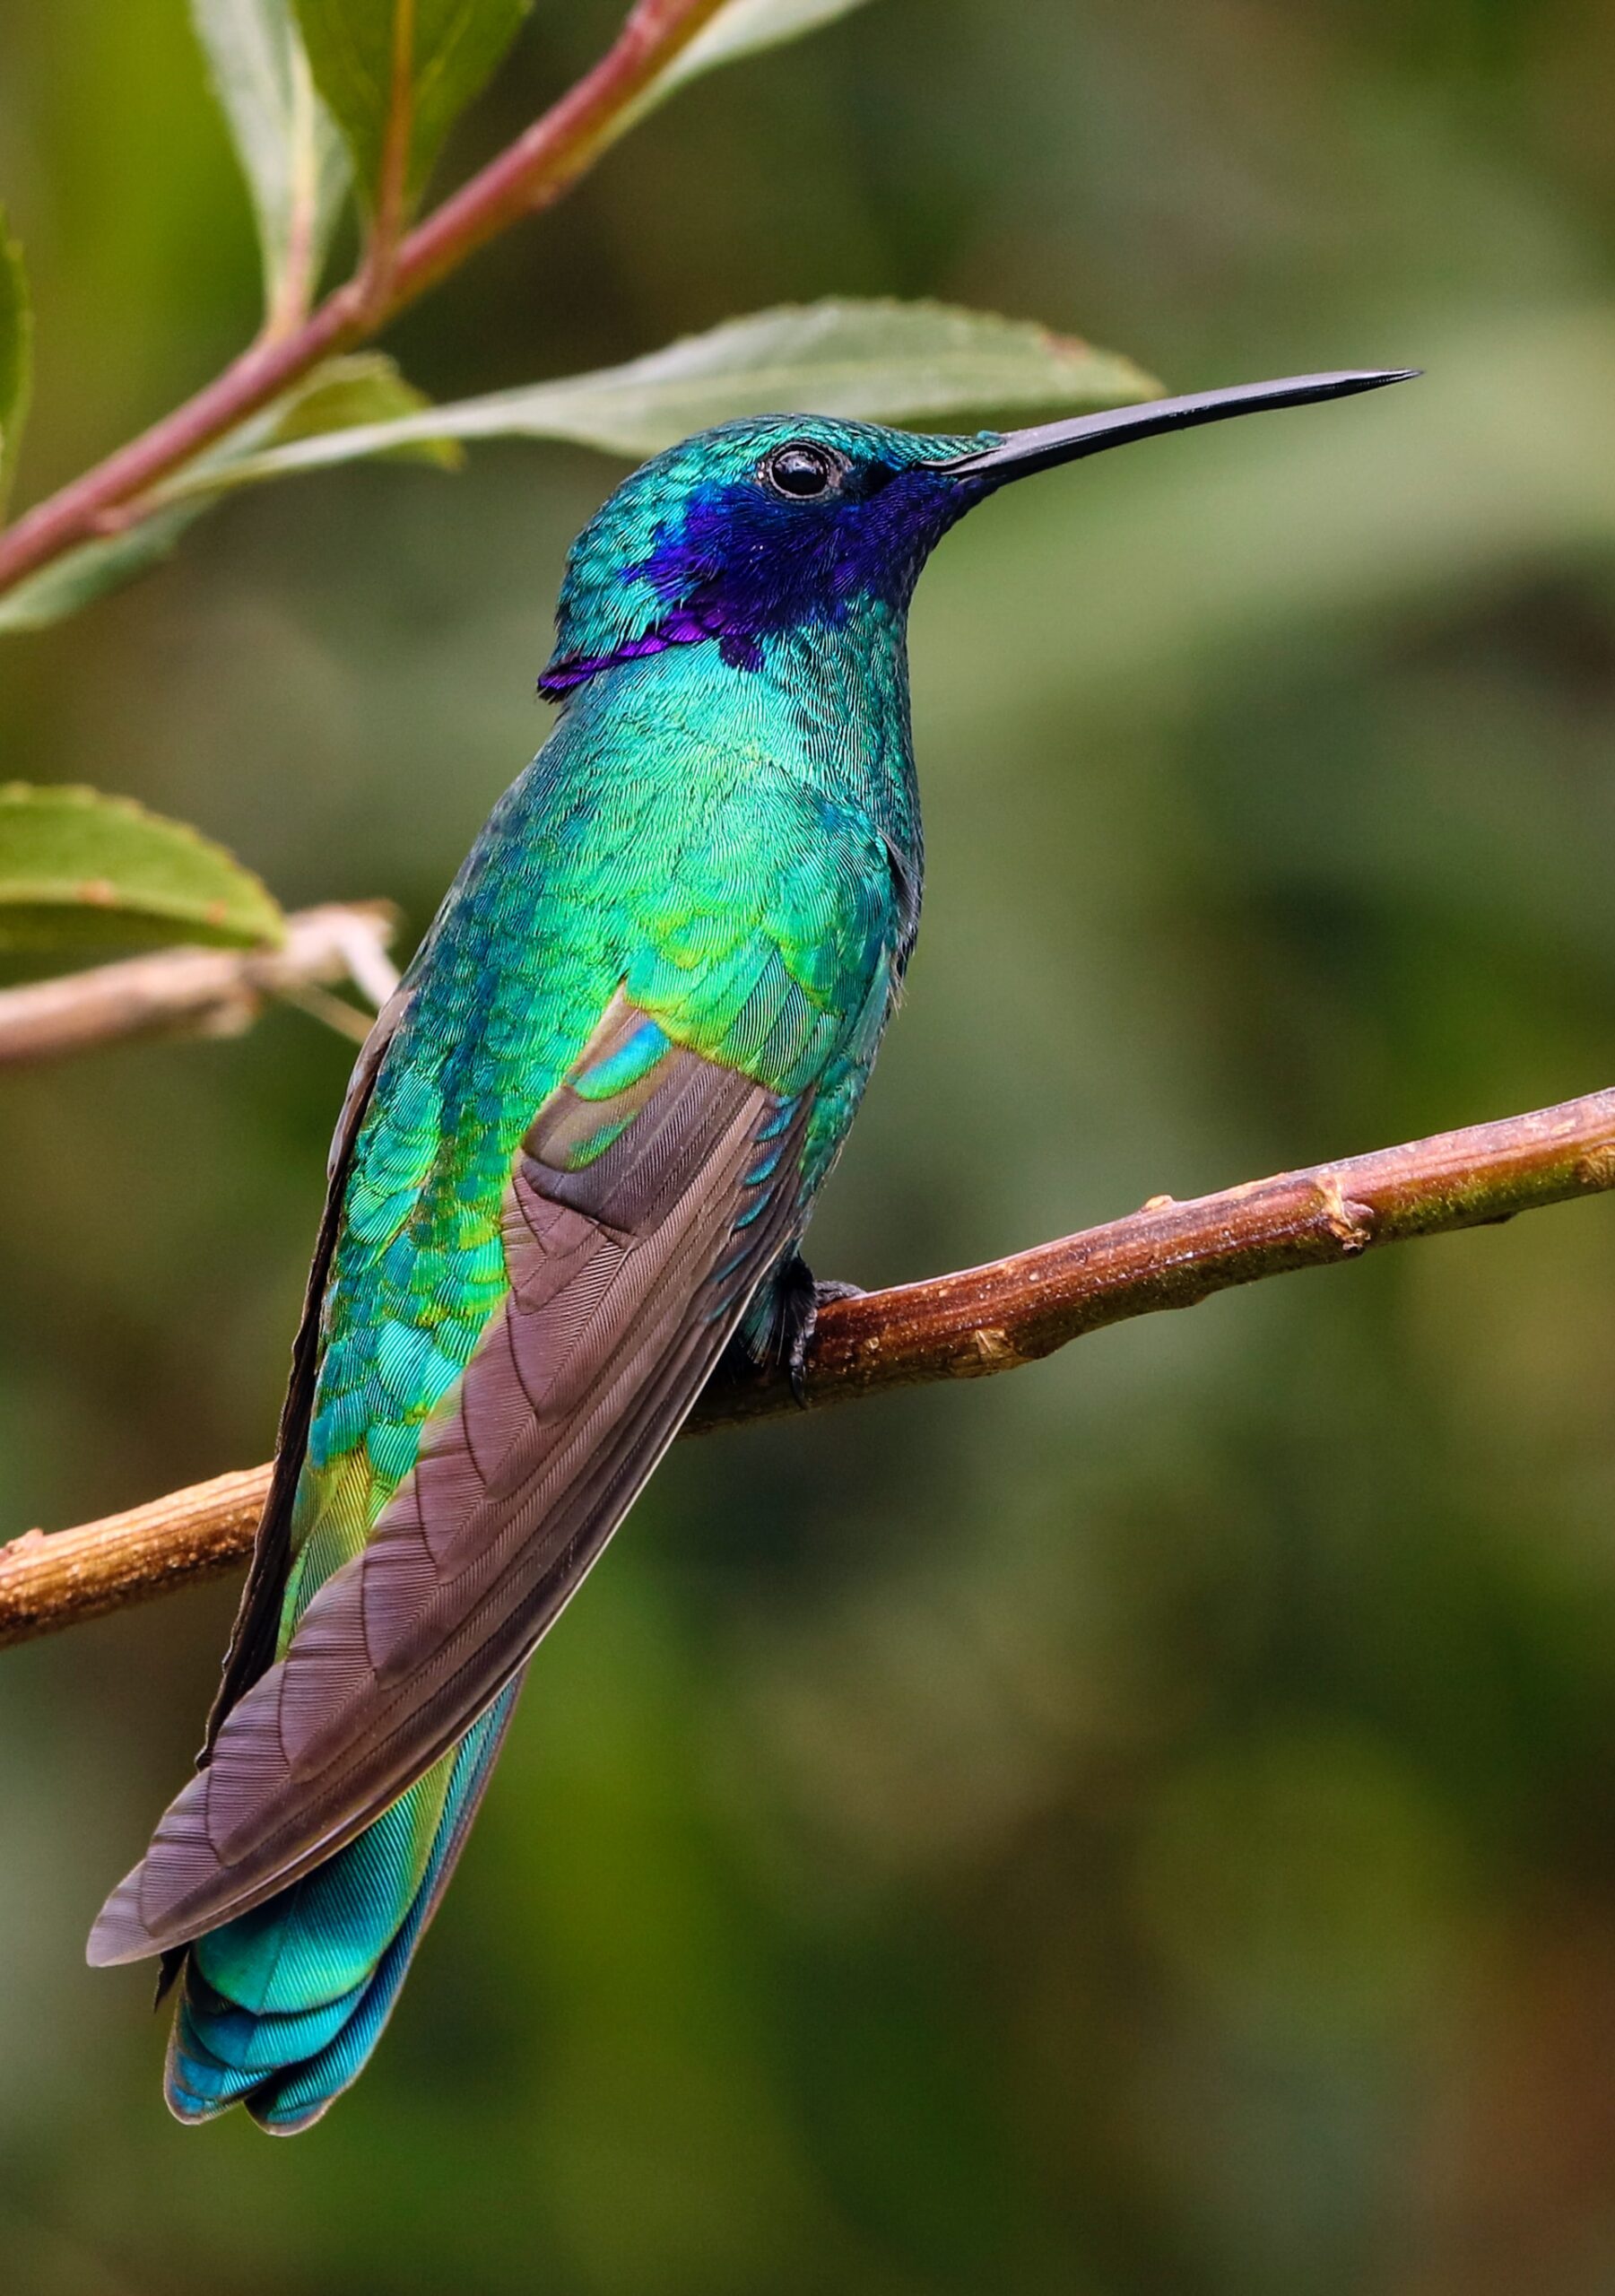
column 802, row 470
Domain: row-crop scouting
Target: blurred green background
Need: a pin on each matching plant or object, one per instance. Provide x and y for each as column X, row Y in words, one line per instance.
column 1146, row 1823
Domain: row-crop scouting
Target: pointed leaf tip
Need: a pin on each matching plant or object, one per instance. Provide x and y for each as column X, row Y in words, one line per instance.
column 742, row 29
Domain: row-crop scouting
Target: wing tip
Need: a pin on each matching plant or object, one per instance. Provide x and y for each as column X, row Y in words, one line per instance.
column 119, row 1934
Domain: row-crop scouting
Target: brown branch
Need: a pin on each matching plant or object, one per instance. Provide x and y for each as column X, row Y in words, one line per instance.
column 48, row 1583
column 533, row 172
column 982, row 1320
column 216, row 991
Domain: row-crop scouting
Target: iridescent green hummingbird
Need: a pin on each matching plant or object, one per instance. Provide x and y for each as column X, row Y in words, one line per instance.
column 574, row 1166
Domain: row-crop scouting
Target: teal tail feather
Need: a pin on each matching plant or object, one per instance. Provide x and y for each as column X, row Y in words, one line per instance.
column 281, row 2009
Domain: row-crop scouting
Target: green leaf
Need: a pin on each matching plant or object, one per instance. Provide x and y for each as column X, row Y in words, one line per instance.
column 744, row 28
column 362, row 388
column 290, row 153
column 365, row 387
column 16, row 355
column 876, row 360
column 455, row 47
column 79, row 869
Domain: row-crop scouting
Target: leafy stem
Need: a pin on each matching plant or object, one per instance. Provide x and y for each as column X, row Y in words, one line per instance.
column 533, row 172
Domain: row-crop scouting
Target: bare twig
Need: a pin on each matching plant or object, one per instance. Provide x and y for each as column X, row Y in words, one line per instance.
column 48, row 1583
column 533, row 172
column 967, row 1326
column 217, row 992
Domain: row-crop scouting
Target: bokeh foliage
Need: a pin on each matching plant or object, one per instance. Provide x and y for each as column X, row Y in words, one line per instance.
column 1146, row 1823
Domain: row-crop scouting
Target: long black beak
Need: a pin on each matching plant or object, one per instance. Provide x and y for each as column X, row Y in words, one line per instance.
column 1019, row 452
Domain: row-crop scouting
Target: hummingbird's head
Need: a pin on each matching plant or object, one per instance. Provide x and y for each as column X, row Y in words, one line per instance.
column 774, row 523
column 756, row 527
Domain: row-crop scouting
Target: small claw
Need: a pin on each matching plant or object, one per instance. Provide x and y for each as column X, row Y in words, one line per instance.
column 825, row 1293
column 779, row 1328
column 812, row 1297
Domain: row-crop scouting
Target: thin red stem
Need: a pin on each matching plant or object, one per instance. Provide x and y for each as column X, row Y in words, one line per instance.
column 531, row 173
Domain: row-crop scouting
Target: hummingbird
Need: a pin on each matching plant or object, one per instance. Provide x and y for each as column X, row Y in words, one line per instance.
column 572, row 1172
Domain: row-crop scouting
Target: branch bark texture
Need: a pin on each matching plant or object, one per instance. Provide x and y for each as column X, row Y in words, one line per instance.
column 215, row 992
column 965, row 1325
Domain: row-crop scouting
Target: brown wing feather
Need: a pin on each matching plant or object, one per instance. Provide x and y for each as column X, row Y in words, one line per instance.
column 627, row 1277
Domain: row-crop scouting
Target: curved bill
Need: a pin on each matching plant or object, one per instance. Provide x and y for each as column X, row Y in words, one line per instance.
column 1019, row 452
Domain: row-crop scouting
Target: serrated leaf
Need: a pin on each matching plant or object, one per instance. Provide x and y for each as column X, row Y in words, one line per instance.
column 454, row 47
column 744, row 28
column 293, row 159
column 16, row 355
column 365, row 386
column 80, row 870
column 873, row 361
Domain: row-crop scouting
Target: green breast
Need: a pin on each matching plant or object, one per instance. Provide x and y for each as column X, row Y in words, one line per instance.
column 746, row 906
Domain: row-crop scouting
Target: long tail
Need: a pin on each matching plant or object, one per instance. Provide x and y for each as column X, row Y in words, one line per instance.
column 281, row 2009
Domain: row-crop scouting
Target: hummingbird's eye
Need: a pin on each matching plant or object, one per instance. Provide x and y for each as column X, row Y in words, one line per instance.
column 802, row 470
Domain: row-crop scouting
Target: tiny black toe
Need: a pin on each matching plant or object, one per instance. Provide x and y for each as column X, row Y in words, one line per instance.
column 778, row 1327
column 809, row 1297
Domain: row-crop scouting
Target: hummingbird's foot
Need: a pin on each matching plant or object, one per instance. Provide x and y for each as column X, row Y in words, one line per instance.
column 778, row 1329
column 802, row 1304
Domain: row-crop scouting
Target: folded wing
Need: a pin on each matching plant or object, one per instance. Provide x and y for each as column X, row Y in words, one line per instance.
column 650, row 1195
